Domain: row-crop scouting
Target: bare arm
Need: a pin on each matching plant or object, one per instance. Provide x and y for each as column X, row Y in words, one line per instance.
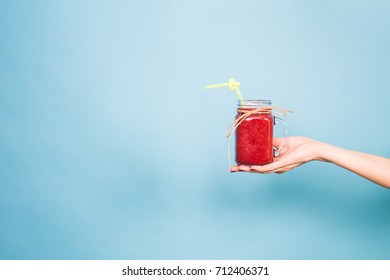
column 302, row 150
column 371, row 167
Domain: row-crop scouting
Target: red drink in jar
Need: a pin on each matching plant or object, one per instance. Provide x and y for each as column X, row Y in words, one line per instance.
column 254, row 133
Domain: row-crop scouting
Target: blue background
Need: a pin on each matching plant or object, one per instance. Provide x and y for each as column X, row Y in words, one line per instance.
column 110, row 148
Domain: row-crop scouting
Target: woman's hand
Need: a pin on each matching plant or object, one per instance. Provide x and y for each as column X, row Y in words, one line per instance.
column 299, row 151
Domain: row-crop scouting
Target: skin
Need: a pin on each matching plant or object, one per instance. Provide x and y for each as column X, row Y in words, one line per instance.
column 302, row 150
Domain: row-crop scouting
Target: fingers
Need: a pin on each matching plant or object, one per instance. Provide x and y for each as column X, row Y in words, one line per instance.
column 234, row 169
column 243, row 168
column 268, row 168
column 278, row 141
column 280, row 166
column 275, row 167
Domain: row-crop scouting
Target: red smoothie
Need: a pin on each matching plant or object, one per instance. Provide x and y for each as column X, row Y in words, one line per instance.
column 254, row 139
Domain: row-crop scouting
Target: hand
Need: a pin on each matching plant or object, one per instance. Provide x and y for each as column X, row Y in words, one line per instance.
column 299, row 151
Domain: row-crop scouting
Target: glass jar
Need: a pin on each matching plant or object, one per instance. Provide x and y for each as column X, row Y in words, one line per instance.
column 254, row 132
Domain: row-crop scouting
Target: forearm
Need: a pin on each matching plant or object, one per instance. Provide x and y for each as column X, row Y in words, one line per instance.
column 371, row 167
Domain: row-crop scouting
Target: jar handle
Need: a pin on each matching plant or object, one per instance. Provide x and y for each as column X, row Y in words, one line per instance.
column 283, row 147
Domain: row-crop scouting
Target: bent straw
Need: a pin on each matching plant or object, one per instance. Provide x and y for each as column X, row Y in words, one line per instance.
column 233, row 85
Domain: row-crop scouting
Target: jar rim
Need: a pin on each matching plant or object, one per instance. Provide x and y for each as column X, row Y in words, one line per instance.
column 253, row 102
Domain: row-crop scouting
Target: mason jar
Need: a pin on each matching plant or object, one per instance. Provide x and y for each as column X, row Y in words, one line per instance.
column 255, row 132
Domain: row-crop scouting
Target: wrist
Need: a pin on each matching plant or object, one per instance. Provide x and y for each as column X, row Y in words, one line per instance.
column 324, row 152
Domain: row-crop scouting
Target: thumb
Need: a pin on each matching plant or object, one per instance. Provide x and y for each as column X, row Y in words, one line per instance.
column 281, row 145
column 278, row 142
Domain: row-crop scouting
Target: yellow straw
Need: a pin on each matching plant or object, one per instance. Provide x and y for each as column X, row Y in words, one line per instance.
column 233, row 85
